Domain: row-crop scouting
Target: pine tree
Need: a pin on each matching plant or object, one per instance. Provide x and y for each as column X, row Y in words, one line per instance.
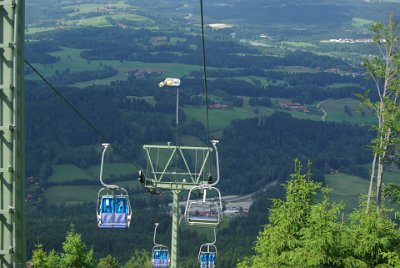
column 74, row 255
column 140, row 259
column 108, row 262
column 301, row 232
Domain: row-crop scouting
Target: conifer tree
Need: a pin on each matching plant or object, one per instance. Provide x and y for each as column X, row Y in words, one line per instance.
column 305, row 232
column 108, row 262
column 301, row 232
column 140, row 259
column 75, row 254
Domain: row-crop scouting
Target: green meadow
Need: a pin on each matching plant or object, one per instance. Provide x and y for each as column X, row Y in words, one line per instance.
column 87, row 8
column 70, row 59
column 335, row 109
column 67, row 194
column 360, row 22
column 221, row 118
column 82, row 15
column 103, row 21
column 68, row 172
column 348, row 188
column 299, row 44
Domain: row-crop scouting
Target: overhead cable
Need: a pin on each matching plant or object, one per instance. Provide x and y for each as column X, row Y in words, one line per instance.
column 81, row 116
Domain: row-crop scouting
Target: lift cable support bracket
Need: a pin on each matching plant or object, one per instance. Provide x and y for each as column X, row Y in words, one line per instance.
column 165, row 173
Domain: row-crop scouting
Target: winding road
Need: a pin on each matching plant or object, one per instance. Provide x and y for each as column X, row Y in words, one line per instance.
column 322, row 110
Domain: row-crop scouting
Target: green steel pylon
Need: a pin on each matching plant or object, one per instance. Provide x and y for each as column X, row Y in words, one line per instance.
column 163, row 173
column 12, row 192
column 176, row 168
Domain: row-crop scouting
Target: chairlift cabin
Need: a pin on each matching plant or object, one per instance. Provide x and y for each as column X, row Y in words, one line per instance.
column 160, row 253
column 207, row 256
column 203, row 212
column 113, row 206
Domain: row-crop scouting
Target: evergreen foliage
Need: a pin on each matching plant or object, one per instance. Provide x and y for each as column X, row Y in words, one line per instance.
column 75, row 254
column 306, row 232
column 108, row 262
column 270, row 143
column 140, row 259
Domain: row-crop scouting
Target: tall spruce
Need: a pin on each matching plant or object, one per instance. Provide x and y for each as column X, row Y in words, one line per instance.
column 301, row 231
column 75, row 254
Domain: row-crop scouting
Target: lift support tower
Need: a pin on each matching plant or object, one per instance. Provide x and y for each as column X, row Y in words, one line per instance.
column 12, row 196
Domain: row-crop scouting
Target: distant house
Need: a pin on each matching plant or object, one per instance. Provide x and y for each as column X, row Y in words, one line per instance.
column 29, row 198
column 218, row 106
column 141, row 73
column 122, row 26
column 159, row 40
column 294, row 106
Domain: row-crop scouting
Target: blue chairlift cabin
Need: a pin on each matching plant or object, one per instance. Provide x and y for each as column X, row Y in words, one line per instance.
column 114, row 210
column 160, row 253
column 113, row 207
column 207, row 255
column 160, row 257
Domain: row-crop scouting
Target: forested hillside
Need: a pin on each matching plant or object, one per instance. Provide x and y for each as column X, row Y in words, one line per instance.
column 276, row 93
column 265, row 151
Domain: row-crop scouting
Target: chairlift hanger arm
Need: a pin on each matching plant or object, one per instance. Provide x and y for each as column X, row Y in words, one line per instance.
column 109, row 186
column 215, row 237
column 214, row 143
column 155, row 232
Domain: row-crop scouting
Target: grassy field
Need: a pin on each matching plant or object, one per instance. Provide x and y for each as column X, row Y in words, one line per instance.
column 102, row 21
column 87, row 8
column 70, row 59
column 221, row 118
column 149, row 99
column 62, row 173
column 71, row 194
column 361, row 23
column 79, row 15
column 105, row 81
column 335, row 109
column 348, row 188
column 296, row 69
column 255, row 80
column 299, row 44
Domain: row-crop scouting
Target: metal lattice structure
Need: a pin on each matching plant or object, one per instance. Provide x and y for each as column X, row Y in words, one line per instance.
column 12, row 196
column 176, row 168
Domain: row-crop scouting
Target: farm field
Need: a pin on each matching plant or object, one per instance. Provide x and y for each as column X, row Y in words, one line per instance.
column 68, row 172
column 335, row 110
column 221, row 118
column 70, row 59
column 75, row 194
column 348, row 188
column 94, row 14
